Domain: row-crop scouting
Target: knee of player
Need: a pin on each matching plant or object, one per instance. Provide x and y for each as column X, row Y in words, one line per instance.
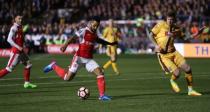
column 68, row 77
column 188, row 68
column 9, row 69
column 113, row 59
column 176, row 72
column 100, row 72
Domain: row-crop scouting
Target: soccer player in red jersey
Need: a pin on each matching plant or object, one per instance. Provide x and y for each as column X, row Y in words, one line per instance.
column 16, row 40
column 84, row 56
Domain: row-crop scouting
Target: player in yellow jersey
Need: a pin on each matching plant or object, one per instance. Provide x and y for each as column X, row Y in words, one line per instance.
column 110, row 34
column 163, row 35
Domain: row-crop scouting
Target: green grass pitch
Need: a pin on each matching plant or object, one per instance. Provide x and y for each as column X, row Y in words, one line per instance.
column 142, row 87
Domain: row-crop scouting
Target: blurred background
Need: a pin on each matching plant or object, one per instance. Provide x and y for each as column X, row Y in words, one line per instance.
column 52, row 22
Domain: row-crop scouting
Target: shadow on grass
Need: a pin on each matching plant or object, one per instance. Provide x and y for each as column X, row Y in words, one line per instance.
column 143, row 95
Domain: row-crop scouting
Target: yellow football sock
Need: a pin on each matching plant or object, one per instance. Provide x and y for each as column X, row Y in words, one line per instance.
column 108, row 63
column 114, row 66
column 189, row 79
column 174, row 85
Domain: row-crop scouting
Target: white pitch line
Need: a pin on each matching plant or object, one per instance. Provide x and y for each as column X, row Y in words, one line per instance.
column 88, row 81
column 57, row 76
column 202, row 74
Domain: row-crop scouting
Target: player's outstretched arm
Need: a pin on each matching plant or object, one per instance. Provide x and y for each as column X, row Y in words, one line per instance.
column 199, row 32
column 101, row 41
column 70, row 40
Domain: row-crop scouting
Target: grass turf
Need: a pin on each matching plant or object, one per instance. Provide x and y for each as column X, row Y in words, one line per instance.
column 142, row 87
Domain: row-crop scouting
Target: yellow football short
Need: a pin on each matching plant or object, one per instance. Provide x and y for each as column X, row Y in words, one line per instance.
column 171, row 61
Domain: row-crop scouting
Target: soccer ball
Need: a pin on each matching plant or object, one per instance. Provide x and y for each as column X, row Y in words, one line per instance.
column 83, row 93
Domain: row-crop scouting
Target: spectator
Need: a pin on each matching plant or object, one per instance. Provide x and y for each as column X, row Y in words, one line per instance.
column 51, row 20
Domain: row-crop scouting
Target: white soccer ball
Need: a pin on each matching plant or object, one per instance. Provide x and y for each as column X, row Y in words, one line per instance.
column 83, row 93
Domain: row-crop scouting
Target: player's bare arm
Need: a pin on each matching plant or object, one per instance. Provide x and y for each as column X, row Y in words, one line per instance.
column 70, row 40
column 199, row 32
column 177, row 33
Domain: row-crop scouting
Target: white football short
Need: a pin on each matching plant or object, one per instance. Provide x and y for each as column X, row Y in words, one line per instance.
column 79, row 62
column 16, row 58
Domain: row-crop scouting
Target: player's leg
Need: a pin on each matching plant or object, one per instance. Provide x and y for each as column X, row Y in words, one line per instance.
column 113, row 56
column 168, row 62
column 24, row 59
column 93, row 67
column 62, row 73
column 3, row 72
column 72, row 70
column 164, row 68
column 181, row 62
column 109, row 62
column 189, row 78
column 13, row 61
column 174, row 77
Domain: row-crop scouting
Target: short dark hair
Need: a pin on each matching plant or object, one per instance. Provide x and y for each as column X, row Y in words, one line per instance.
column 171, row 14
column 15, row 15
column 96, row 18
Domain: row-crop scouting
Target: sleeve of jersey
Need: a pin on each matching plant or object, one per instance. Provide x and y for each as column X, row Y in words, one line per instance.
column 79, row 33
column 156, row 28
column 10, row 40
